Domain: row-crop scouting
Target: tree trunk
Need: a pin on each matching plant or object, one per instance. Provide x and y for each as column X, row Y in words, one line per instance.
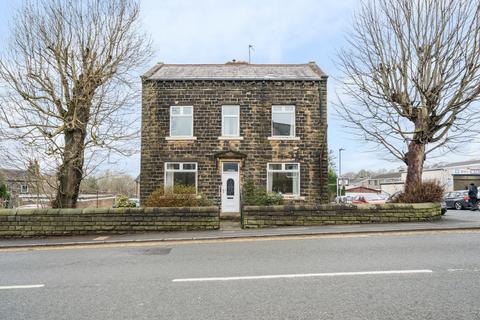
column 70, row 173
column 415, row 160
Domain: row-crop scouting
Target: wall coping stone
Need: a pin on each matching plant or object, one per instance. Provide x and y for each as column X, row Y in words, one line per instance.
column 341, row 207
column 109, row 211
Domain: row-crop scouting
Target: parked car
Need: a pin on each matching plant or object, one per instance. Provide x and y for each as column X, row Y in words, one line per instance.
column 457, row 200
column 369, row 198
column 344, row 199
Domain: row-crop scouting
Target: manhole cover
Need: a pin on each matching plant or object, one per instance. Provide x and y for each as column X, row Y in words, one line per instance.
column 156, row 251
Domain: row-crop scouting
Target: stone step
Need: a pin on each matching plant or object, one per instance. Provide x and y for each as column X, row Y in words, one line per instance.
column 230, row 225
column 230, row 216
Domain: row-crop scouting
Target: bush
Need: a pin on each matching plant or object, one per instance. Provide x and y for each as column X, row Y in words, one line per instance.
column 124, row 202
column 428, row 191
column 4, row 194
column 256, row 196
column 179, row 196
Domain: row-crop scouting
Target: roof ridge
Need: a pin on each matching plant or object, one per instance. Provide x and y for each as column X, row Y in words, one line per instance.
column 237, row 64
column 236, row 71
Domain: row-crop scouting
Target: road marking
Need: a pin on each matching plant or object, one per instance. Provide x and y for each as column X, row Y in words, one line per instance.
column 304, row 275
column 101, row 238
column 466, row 270
column 31, row 286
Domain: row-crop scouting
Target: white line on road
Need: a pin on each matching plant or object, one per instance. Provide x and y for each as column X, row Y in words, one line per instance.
column 31, row 286
column 304, row 275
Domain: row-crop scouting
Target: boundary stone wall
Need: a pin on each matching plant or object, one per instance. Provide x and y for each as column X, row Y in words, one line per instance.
column 68, row 222
column 296, row 215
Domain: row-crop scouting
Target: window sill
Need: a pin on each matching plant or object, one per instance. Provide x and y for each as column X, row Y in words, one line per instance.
column 230, row 138
column 293, row 197
column 181, row 138
column 284, row 138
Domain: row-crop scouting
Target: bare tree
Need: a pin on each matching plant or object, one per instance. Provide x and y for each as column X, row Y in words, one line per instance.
column 69, row 76
column 411, row 75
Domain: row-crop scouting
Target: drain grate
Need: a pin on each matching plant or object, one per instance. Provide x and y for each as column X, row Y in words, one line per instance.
column 156, row 251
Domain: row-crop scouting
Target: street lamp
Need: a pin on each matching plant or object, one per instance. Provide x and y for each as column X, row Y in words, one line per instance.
column 339, row 170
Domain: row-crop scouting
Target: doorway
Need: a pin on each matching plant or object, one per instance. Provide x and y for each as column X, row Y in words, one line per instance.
column 230, row 186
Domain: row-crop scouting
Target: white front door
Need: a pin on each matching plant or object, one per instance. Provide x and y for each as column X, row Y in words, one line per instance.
column 230, row 187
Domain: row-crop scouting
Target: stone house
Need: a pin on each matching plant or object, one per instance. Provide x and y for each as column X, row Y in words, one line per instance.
column 213, row 126
column 19, row 183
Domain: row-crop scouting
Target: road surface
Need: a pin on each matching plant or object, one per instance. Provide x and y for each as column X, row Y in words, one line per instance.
column 398, row 276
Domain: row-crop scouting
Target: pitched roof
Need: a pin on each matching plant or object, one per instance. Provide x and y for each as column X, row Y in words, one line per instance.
column 235, row 71
column 388, row 175
column 13, row 175
column 361, row 189
column 459, row 164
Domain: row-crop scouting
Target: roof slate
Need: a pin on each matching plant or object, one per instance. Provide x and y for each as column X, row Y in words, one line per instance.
column 236, row 71
column 13, row 174
column 388, row 175
column 459, row 164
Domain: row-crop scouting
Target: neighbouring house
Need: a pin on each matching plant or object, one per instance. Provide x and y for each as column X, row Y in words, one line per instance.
column 213, row 126
column 19, row 183
column 355, row 191
column 375, row 184
column 454, row 176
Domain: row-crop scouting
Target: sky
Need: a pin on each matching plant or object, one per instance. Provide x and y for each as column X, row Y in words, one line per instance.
column 281, row 31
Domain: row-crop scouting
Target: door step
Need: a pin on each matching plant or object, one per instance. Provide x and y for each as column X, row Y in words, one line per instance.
column 230, row 221
column 230, row 225
column 230, row 216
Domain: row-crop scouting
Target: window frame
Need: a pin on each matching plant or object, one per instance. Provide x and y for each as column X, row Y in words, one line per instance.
column 284, row 112
column 21, row 188
column 296, row 194
column 230, row 116
column 179, row 170
column 181, row 115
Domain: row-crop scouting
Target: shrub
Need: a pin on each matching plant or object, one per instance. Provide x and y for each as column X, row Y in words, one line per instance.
column 179, row 196
column 256, row 196
column 4, row 194
column 332, row 185
column 124, row 202
column 428, row 191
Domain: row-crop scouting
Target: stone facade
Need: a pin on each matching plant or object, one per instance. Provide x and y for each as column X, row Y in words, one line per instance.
column 19, row 183
column 277, row 216
column 254, row 149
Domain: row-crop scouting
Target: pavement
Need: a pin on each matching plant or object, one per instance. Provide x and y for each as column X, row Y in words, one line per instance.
column 412, row 276
column 452, row 220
